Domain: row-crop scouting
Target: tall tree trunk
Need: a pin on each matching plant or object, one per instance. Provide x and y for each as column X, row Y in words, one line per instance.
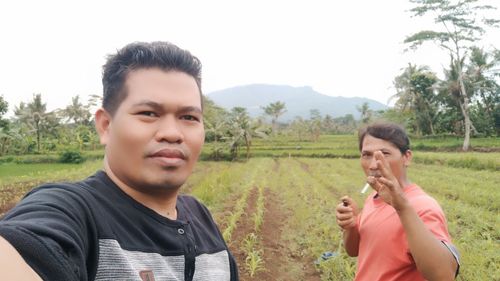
column 38, row 136
column 465, row 112
column 248, row 144
column 273, row 126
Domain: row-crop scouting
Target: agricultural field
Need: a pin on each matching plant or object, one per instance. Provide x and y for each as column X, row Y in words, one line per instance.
column 277, row 209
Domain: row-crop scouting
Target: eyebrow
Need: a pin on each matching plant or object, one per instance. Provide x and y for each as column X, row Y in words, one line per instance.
column 158, row 106
column 373, row 151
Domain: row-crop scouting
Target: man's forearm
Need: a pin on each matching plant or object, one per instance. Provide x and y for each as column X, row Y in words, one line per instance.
column 432, row 258
column 351, row 241
column 13, row 266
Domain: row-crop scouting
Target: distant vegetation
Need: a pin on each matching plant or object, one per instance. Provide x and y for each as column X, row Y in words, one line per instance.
column 272, row 184
column 293, row 198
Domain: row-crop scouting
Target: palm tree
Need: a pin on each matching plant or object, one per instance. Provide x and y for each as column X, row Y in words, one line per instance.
column 215, row 121
column 460, row 28
column 275, row 110
column 299, row 126
column 314, row 124
column 481, row 73
column 77, row 112
column 35, row 116
column 366, row 113
column 241, row 130
column 415, row 95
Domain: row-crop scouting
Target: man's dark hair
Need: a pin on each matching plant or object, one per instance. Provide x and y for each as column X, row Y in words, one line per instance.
column 139, row 55
column 387, row 131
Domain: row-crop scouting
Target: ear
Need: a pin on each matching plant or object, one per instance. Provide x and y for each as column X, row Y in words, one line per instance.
column 407, row 158
column 102, row 125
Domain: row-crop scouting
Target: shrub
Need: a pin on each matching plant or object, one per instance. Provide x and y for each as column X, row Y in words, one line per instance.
column 71, row 156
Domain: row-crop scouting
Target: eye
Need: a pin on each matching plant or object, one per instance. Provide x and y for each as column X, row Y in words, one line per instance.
column 148, row 113
column 190, row 118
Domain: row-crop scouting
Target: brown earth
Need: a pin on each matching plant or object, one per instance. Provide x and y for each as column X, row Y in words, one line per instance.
column 278, row 259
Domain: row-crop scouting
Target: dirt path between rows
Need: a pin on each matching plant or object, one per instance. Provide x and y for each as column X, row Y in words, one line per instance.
column 278, row 259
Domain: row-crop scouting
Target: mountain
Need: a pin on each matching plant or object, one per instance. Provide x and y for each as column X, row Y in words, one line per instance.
column 298, row 101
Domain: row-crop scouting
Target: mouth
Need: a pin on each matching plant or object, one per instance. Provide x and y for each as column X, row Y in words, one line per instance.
column 169, row 157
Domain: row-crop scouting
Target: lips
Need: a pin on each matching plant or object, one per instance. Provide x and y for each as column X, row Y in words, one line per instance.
column 169, row 158
column 169, row 153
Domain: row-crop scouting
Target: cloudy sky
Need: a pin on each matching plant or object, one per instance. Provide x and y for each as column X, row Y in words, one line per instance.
column 340, row 48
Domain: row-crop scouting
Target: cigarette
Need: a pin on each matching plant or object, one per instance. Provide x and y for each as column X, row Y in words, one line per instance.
column 365, row 188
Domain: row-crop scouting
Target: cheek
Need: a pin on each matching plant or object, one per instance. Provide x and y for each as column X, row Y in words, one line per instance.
column 365, row 165
column 196, row 140
column 396, row 167
column 130, row 138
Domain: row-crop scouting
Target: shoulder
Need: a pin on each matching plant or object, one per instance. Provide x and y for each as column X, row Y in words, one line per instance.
column 421, row 201
column 194, row 210
column 62, row 197
column 190, row 202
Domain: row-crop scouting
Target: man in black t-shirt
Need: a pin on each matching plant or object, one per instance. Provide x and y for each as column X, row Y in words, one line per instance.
column 127, row 222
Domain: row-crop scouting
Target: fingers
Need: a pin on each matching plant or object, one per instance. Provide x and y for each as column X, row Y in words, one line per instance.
column 345, row 213
column 346, row 201
column 382, row 164
column 372, row 181
column 389, row 183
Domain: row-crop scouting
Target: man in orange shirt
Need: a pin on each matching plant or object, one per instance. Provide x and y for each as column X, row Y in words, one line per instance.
column 401, row 233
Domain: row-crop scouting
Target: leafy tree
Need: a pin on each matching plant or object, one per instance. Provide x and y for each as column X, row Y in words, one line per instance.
column 275, row 110
column 35, row 116
column 415, row 94
column 328, row 124
column 315, row 124
column 215, row 121
column 241, row 130
column 77, row 112
column 460, row 28
column 4, row 106
column 366, row 113
column 346, row 124
column 299, row 126
column 482, row 72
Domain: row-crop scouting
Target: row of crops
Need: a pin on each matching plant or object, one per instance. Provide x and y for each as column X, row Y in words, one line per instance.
column 278, row 214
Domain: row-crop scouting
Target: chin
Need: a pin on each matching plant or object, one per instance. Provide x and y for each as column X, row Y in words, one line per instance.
column 172, row 183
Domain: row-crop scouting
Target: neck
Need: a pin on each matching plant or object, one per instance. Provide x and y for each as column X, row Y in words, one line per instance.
column 162, row 201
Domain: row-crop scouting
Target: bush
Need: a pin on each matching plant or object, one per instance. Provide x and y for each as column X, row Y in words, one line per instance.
column 71, row 156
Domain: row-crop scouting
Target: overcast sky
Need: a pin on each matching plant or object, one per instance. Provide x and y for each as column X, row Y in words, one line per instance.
column 339, row 48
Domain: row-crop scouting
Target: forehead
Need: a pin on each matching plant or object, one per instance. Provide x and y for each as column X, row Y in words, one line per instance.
column 371, row 143
column 162, row 87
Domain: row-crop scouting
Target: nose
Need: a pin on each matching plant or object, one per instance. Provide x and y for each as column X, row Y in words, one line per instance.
column 169, row 130
column 373, row 164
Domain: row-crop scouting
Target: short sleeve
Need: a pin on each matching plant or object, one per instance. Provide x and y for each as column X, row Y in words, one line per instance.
column 433, row 217
column 48, row 228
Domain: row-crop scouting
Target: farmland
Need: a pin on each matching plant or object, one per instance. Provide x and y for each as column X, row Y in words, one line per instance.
column 276, row 210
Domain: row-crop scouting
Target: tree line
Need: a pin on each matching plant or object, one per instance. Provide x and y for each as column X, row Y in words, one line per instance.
column 466, row 102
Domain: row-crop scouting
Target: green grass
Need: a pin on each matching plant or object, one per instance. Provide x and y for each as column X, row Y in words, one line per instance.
column 465, row 184
column 450, row 143
column 470, row 160
column 13, row 170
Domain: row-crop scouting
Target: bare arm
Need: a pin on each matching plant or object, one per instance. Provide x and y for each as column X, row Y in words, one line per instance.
column 431, row 256
column 13, row 265
column 347, row 220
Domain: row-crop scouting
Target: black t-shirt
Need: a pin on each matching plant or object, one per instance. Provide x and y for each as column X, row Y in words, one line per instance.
column 92, row 230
